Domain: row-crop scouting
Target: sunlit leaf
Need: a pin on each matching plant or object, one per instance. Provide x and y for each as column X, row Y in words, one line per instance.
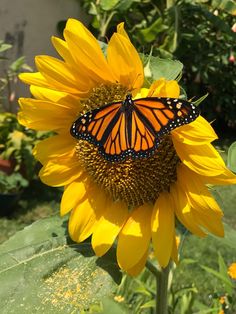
column 156, row 68
column 43, row 272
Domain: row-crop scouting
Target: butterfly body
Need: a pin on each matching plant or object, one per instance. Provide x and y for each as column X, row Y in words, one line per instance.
column 132, row 128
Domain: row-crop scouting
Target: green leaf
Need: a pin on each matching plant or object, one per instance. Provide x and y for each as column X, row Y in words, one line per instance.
column 4, row 47
column 42, row 271
column 231, row 159
column 218, row 275
column 157, row 68
column 124, row 5
column 108, row 5
column 17, row 64
column 201, row 99
column 149, row 34
column 149, row 304
column 223, row 270
column 111, row 306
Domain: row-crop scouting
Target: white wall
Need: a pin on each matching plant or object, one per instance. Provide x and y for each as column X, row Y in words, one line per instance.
column 29, row 25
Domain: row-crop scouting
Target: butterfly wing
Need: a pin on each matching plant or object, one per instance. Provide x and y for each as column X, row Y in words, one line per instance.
column 105, row 127
column 165, row 114
column 154, row 117
column 133, row 128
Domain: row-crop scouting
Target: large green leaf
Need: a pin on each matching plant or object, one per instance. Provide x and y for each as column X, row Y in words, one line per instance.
column 43, row 272
column 157, row 68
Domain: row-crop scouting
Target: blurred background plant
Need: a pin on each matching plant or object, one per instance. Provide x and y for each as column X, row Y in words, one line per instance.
column 9, row 79
column 17, row 164
column 199, row 33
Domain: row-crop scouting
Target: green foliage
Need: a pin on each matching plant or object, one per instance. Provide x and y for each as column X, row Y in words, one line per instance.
column 10, row 184
column 198, row 33
column 156, row 68
column 231, row 160
column 43, row 272
column 16, row 143
column 8, row 82
column 4, row 47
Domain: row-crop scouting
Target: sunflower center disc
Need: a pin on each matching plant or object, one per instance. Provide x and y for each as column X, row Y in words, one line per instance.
column 133, row 181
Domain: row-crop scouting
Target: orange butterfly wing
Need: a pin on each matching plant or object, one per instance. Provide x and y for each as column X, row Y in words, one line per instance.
column 133, row 127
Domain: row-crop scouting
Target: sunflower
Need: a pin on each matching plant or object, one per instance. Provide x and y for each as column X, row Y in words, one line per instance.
column 133, row 202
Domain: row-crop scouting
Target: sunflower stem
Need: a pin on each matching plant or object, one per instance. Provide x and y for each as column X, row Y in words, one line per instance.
column 162, row 291
column 162, row 286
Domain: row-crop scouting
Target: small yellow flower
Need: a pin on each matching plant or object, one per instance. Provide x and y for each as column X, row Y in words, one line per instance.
column 133, row 201
column 119, row 298
column 222, row 299
column 232, row 270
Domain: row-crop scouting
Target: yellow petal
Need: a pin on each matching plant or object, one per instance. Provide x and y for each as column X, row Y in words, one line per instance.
column 136, row 269
column 63, row 49
column 74, row 194
column 143, row 92
column 202, row 159
column 62, row 98
column 125, row 62
column 163, row 228
column 205, row 207
column 59, row 75
column 197, row 193
column 44, row 115
column 164, row 88
column 83, row 218
column 135, row 237
column 55, row 147
column 80, row 72
column 60, row 172
column 197, row 132
column 184, row 211
column 35, row 79
column 121, row 30
column 227, row 177
column 210, row 222
column 109, row 226
column 86, row 52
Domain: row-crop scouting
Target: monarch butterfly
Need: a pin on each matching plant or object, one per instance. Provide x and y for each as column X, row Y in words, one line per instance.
column 132, row 128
